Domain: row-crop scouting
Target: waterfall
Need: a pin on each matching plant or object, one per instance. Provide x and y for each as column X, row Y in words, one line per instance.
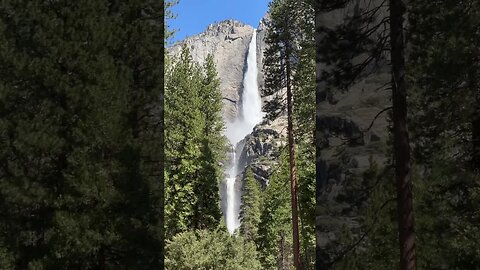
column 232, row 221
column 250, row 115
column 251, row 102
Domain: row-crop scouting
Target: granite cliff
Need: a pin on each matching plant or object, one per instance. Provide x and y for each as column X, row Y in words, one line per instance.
column 228, row 42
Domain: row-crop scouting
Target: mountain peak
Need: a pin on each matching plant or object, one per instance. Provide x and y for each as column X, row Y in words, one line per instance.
column 227, row 22
column 229, row 28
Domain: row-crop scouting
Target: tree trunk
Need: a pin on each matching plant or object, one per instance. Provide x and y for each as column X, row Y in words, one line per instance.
column 101, row 259
column 293, row 168
column 282, row 261
column 475, row 121
column 476, row 143
column 401, row 140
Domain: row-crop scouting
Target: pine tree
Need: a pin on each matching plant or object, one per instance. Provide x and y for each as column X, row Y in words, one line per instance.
column 203, row 249
column 275, row 220
column 251, row 207
column 445, row 111
column 304, row 85
column 365, row 33
column 279, row 55
column 140, row 54
column 441, row 64
column 306, row 202
column 169, row 15
column 207, row 212
column 60, row 145
column 194, row 144
column 450, row 73
column 80, row 174
column 401, row 138
column 184, row 126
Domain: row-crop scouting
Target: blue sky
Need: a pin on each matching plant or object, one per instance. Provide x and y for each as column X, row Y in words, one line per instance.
column 193, row 16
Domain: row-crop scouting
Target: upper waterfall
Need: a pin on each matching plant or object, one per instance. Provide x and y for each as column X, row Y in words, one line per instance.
column 251, row 103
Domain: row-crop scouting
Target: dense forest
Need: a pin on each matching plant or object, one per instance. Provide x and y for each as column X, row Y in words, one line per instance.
column 419, row 208
column 81, row 134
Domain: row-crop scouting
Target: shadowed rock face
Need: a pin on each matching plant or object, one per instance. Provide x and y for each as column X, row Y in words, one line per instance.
column 261, row 149
column 345, row 143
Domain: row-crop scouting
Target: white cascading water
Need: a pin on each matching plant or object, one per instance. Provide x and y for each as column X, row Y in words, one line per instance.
column 251, row 115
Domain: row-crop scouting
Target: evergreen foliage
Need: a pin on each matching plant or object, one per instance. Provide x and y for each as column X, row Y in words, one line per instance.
column 183, row 129
column 445, row 68
column 140, row 53
column 304, row 86
column 169, row 15
column 279, row 52
column 194, row 145
column 377, row 246
column 352, row 50
column 251, row 207
column 447, row 229
column 274, row 237
column 206, row 212
column 306, row 202
column 78, row 189
column 445, row 72
column 290, row 87
column 202, row 249
column 442, row 69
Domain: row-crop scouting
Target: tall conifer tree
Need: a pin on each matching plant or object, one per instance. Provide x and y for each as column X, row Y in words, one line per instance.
column 207, row 212
column 140, row 31
column 401, row 145
column 251, row 207
column 184, row 124
column 279, row 65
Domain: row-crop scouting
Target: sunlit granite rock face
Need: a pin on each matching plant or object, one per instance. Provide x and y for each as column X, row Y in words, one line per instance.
column 228, row 42
column 261, row 32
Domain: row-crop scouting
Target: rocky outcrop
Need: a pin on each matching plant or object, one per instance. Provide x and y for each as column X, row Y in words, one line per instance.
column 260, row 150
column 228, row 42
